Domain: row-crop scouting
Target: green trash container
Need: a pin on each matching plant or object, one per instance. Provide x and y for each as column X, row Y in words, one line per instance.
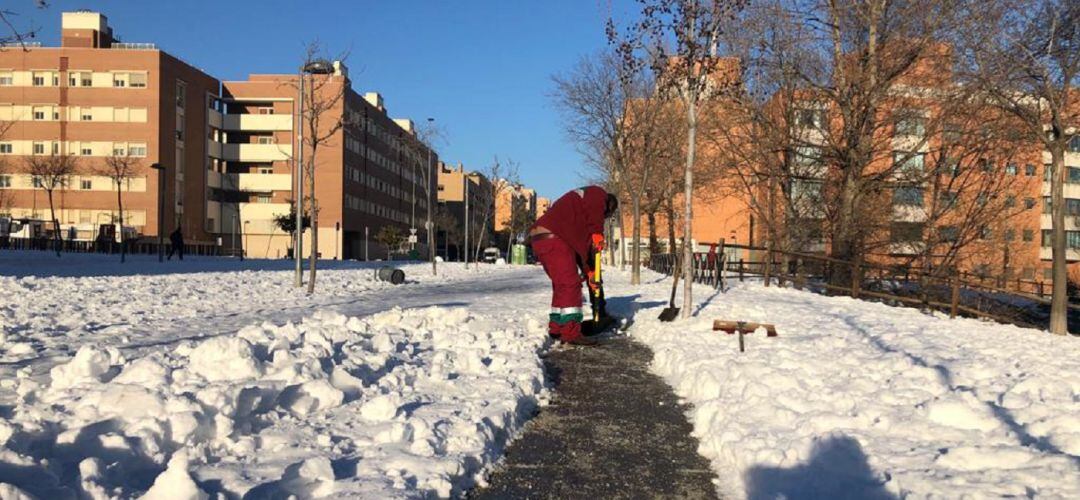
column 517, row 255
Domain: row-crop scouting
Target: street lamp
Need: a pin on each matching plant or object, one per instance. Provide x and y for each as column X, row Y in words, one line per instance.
column 244, row 250
column 427, row 189
column 315, row 67
column 160, row 211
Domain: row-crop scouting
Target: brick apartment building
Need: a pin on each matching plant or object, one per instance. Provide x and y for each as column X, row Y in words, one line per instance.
column 369, row 174
column 93, row 97
column 1014, row 247
column 452, row 187
column 227, row 148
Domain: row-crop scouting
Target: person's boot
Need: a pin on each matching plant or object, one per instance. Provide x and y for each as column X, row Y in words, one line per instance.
column 554, row 327
column 571, row 334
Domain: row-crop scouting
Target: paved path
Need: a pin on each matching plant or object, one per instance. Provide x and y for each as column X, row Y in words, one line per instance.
column 613, row 430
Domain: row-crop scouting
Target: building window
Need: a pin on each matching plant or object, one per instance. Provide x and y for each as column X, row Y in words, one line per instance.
column 906, row 232
column 86, row 116
column 810, row 118
column 137, row 150
column 1028, row 273
column 39, row 114
column 985, row 233
column 266, row 111
column 908, row 196
column 6, row 148
column 1072, row 206
column 1029, row 203
column 948, row 233
column 912, row 125
column 181, row 93
column 86, row 151
column 5, row 181
column 1029, row 235
column 118, row 151
column 35, row 181
column 1029, row 170
column 39, row 81
column 39, row 148
column 1010, row 169
column 1010, row 234
column 265, row 170
column 262, row 198
column 1010, row 201
column 6, row 79
column 137, row 80
column 118, row 80
column 265, row 139
column 909, row 162
column 1072, row 239
column 1074, row 144
column 86, row 184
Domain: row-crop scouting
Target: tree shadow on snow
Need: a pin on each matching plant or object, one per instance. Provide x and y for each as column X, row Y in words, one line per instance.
column 837, row 469
column 945, row 376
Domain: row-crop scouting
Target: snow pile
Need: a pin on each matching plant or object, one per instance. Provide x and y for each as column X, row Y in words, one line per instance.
column 412, row 402
column 863, row 400
column 93, row 299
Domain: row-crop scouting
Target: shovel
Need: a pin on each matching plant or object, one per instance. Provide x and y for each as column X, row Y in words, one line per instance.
column 671, row 312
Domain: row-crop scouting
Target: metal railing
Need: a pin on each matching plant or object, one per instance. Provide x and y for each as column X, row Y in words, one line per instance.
column 134, row 247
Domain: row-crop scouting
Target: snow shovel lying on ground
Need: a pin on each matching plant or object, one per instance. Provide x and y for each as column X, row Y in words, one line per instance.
column 671, row 312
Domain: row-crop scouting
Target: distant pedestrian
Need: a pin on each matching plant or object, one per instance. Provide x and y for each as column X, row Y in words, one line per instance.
column 176, row 243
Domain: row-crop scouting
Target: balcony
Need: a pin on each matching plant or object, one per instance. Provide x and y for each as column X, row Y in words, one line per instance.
column 1071, row 254
column 255, row 152
column 256, row 123
column 1072, row 222
column 263, row 182
column 214, row 117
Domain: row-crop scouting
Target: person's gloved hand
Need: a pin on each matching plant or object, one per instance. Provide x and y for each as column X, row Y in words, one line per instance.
column 598, row 242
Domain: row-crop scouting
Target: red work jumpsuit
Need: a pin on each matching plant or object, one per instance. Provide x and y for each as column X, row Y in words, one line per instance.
column 571, row 222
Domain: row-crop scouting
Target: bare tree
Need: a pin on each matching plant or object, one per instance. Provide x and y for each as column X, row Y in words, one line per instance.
column 426, row 171
column 16, row 36
column 688, row 70
column 120, row 169
column 7, row 198
column 50, row 173
column 322, row 119
column 503, row 176
column 621, row 127
column 1028, row 64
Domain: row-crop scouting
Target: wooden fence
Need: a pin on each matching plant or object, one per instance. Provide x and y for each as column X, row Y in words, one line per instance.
column 959, row 294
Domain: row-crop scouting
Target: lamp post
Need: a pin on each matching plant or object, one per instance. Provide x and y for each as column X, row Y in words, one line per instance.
column 316, row 67
column 160, row 211
column 427, row 189
column 243, row 251
column 465, row 176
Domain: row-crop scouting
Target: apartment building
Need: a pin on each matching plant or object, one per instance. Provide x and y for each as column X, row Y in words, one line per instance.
column 228, row 149
column 95, row 97
column 372, row 172
column 1011, row 240
column 542, row 206
column 513, row 199
column 454, row 184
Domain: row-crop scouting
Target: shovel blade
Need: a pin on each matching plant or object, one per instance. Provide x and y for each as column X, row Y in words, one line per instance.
column 669, row 314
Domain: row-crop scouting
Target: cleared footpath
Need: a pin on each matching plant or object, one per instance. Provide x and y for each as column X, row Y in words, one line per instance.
column 613, row 430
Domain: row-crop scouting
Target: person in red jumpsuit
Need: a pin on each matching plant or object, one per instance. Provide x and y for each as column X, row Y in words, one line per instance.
column 562, row 240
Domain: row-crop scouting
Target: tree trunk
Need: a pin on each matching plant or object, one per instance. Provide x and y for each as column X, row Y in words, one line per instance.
column 654, row 242
column 635, row 238
column 431, row 238
column 314, row 226
column 120, row 207
column 1058, row 301
column 57, row 242
column 688, row 215
column 843, row 238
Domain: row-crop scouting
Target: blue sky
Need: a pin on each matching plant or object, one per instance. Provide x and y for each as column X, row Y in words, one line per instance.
column 482, row 69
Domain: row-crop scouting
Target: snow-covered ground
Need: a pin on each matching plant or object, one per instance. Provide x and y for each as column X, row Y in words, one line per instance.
column 863, row 400
column 215, row 376
column 179, row 379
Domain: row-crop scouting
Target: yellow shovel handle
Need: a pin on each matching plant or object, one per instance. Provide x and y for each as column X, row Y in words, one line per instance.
column 596, row 268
